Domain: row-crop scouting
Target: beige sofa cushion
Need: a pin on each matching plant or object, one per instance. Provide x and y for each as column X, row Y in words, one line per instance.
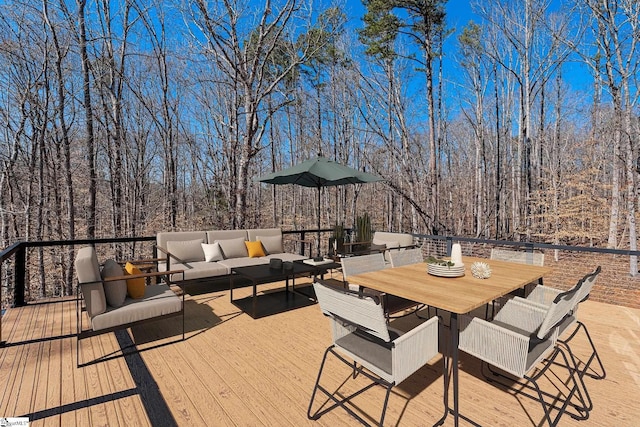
column 392, row 239
column 272, row 244
column 214, row 235
column 253, row 233
column 166, row 236
column 158, row 300
column 186, row 250
column 233, row 248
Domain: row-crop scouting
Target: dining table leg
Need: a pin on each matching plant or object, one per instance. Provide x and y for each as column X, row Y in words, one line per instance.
column 454, row 369
column 453, row 359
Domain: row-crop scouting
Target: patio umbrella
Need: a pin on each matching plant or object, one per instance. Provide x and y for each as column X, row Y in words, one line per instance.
column 319, row 172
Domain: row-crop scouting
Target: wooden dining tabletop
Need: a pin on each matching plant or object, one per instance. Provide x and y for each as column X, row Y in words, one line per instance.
column 455, row 294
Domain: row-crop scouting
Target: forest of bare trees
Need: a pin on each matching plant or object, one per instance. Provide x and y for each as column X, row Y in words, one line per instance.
column 127, row 117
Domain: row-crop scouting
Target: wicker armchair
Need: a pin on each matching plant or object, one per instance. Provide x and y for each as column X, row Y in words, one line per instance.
column 519, row 339
column 363, row 341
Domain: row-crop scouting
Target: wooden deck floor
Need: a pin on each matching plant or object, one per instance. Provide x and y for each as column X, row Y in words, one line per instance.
column 236, row 371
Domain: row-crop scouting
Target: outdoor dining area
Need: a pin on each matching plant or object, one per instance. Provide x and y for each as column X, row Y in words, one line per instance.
column 441, row 344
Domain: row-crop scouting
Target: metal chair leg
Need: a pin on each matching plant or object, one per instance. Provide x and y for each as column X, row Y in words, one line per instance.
column 341, row 402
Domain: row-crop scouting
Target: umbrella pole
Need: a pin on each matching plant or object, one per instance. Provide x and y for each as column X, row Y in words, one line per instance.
column 319, row 211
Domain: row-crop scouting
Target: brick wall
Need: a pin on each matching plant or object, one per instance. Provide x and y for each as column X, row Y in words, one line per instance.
column 613, row 286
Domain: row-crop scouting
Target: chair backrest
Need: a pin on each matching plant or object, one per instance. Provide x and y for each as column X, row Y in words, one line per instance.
column 87, row 266
column 564, row 303
column 361, row 264
column 587, row 284
column 408, row 256
column 522, row 257
column 362, row 312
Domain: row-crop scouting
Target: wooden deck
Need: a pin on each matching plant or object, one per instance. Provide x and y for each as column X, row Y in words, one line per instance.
column 233, row 370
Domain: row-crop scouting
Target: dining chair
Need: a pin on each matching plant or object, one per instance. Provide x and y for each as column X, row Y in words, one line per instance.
column 363, row 340
column 521, row 340
column 392, row 304
column 543, row 296
column 520, row 257
column 405, row 257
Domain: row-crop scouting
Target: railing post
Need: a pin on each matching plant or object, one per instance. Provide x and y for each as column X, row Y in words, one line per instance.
column 20, row 275
column 302, row 233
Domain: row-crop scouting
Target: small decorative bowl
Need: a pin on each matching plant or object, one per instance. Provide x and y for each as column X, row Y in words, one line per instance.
column 480, row 270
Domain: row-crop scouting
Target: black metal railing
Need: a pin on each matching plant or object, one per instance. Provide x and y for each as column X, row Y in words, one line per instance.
column 15, row 280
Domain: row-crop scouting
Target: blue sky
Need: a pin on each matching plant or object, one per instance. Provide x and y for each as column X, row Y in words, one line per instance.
column 459, row 13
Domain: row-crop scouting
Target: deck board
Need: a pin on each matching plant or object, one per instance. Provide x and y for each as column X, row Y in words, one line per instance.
column 236, row 371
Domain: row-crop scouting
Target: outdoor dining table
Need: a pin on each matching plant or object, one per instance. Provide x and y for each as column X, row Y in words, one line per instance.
column 457, row 295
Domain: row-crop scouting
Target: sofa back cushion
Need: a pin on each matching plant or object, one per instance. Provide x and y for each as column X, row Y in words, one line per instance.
column 166, row 236
column 186, row 250
column 392, row 239
column 233, row 248
column 253, row 233
column 272, row 244
column 214, row 235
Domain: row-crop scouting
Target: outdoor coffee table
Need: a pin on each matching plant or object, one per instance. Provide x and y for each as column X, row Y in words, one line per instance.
column 277, row 301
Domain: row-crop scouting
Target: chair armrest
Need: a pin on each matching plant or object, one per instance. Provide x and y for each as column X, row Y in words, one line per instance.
column 144, row 261
column 494, row 344
column 521, row 315
column 414, row 349
column 143, row 275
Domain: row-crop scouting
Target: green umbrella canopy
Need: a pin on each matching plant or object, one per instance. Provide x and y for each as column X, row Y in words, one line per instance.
column 319, row 172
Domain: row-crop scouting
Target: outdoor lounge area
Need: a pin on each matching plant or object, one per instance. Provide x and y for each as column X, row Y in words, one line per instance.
column 234, row 370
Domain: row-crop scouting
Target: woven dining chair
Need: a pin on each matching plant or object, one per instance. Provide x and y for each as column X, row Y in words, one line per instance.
column 405, row 257
column 363, row 340
column 519, row 339
column 543, row 296
column 392, row 304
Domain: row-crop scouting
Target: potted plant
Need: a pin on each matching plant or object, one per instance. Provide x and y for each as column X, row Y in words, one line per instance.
column 363, row 231
column 336, row 242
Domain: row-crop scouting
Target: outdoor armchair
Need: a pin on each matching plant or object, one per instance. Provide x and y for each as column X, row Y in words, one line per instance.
column 363, row 340
column 519, row 339
column 543, row 296
column 103, row 294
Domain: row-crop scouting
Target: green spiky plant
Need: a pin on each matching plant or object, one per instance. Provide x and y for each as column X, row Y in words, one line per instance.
column 363, row 228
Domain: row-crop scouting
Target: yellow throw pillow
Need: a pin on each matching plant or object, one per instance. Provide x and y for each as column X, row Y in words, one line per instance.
column 255, row 249
column 135, row 287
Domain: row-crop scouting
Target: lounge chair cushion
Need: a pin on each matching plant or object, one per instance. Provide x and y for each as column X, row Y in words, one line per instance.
column 272, row 244
column 135, row 287
column 157, row 300
column 233, row 248
column 254, row 249
column 90, row 281
column 115, row 291
column 94, row 298
column 186, row 250
column 212, row 252
column 372, row 349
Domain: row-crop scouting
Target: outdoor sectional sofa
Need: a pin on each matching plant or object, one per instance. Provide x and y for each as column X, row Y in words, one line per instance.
column 206, row 254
